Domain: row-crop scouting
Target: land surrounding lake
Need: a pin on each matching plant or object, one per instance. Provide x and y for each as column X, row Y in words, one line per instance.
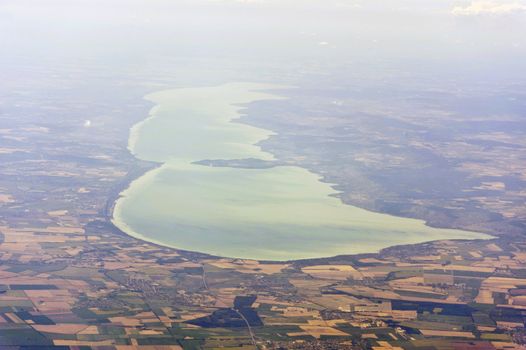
column 271, row 213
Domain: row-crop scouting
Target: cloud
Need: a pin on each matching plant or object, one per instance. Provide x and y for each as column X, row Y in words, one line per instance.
column 238, row 1
column 87, row 123
column 477, row 8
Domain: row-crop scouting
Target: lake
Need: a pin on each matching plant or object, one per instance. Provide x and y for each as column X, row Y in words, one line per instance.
column 275, row 213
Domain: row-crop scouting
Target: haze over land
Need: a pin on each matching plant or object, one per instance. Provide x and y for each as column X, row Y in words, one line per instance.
column 384, row 88
column 396, row 113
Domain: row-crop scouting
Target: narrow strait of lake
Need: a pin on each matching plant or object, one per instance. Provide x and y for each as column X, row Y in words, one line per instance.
column 278, row 213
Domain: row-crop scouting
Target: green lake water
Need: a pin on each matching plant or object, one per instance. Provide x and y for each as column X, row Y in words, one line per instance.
column 278, row 213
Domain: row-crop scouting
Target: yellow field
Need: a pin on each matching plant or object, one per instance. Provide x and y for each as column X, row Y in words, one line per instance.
column 333, row 272
column 318, row 331
column 438, row 333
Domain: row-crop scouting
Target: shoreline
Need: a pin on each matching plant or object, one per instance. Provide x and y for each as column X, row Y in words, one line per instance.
column 192, row 254
column 144, row 168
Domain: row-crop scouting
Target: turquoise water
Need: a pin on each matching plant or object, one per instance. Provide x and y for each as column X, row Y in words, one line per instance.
column 278, row 213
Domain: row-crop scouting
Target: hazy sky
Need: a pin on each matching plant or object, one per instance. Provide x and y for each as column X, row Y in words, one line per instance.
column 325, row 33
